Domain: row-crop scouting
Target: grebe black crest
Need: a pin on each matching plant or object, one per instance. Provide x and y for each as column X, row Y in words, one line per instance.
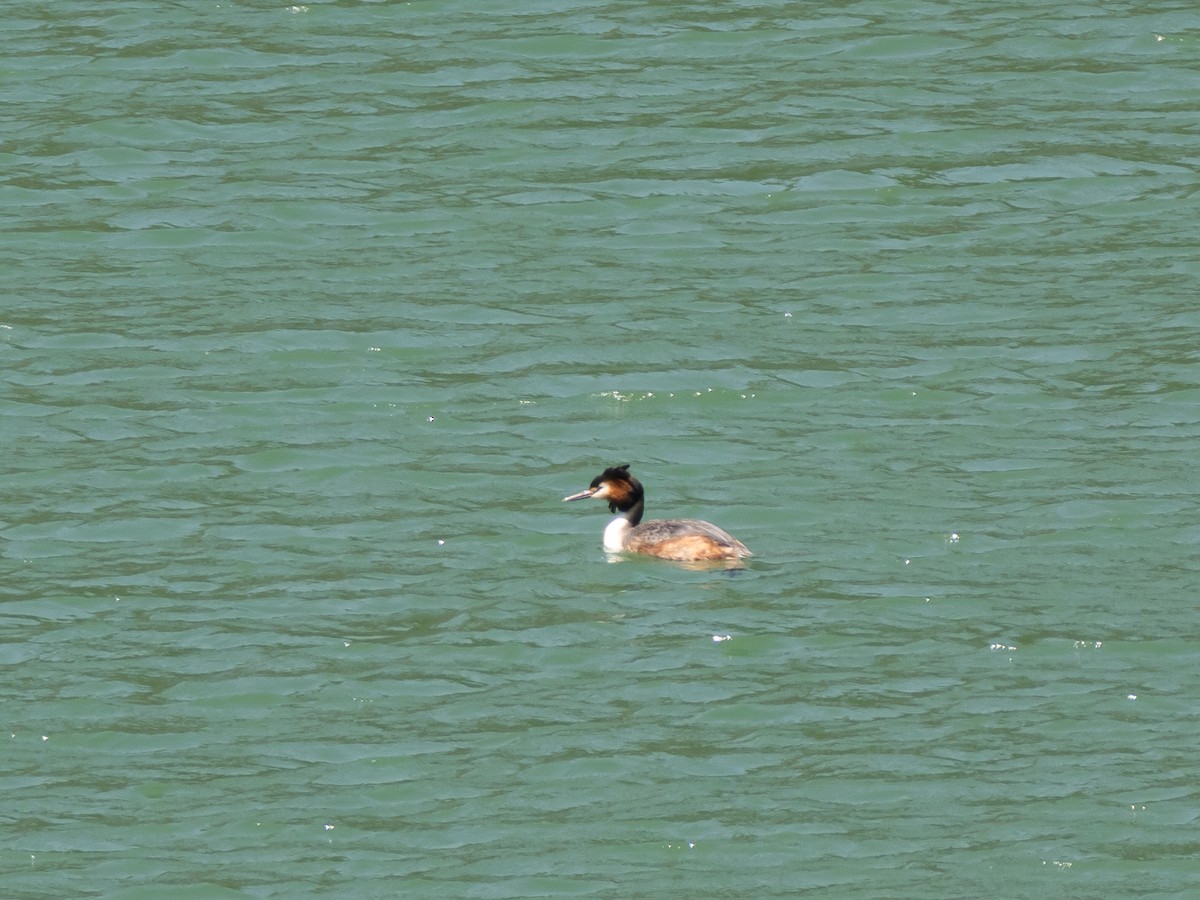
column 687, row 540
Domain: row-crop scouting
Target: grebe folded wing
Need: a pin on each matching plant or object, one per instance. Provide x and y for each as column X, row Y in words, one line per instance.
column 684, row 539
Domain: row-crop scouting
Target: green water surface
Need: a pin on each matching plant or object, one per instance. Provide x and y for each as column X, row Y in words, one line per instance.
column 311, row 314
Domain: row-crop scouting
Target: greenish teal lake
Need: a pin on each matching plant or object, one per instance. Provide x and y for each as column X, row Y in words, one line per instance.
column 312, row 314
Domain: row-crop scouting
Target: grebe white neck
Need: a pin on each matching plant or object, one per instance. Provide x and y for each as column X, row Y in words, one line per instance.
column 614, row 534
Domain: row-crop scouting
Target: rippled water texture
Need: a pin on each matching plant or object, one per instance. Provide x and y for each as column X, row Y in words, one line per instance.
column 312, row 314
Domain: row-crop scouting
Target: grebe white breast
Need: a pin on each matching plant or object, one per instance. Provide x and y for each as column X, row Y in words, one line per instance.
column 678, row 539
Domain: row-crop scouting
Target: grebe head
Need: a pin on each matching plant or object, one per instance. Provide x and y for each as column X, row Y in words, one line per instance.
column 616, row 485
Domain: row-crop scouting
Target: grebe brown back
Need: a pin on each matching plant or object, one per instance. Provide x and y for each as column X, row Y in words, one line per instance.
column 686, row 540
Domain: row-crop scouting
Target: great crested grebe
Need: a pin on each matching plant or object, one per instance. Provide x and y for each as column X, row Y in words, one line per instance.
column 678, row 539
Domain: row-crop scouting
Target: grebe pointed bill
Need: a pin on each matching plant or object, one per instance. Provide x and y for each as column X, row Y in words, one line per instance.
column 684, row 540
